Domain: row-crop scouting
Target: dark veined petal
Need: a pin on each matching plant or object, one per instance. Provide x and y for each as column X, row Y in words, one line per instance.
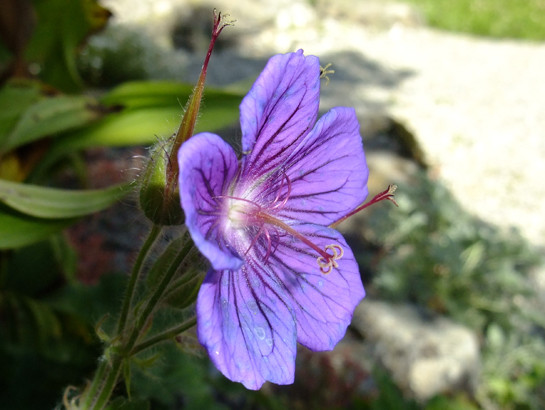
column 323, row 304
column 246, row 327
column 207, row 166
column 328, row 172
column 279, row 110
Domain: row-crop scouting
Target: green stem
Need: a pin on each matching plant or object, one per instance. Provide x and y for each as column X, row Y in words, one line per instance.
column 129, row 293
column 108, row 372
column 109, row 384
column 90, row 394
column 159, row 291
column 166, row 335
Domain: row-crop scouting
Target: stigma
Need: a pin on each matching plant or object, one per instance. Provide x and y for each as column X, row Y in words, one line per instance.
column 326, row 264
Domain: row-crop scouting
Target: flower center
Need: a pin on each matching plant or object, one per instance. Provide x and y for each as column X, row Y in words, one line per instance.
column 243, row 213
column 239, row 212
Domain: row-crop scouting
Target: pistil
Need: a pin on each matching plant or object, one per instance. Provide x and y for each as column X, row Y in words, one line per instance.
column 387, row 194
column 325, row 261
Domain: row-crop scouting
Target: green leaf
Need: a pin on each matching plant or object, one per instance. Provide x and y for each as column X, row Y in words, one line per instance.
column 65, row 257
column 130, row 127
column 137, row 127
column 46, row 323
column 149, row 94
column 153, row 110
column 61, row 28
column 48, row 117
column 54, row 203
column 15, row 98
column 169, row 93
column 18, row 230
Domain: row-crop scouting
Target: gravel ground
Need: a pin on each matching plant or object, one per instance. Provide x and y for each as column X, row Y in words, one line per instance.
column 478, row 110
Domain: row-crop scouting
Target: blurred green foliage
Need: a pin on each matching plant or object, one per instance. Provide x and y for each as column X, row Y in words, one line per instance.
column 493, row 18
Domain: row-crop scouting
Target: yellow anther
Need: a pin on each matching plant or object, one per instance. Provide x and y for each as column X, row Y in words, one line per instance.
column 326, row 265
column 324, row 72
column 338, row 251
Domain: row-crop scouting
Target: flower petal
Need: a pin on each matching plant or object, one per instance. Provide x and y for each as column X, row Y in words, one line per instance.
column 328, row 172
column 246, row 327
column 207, row 166
column 279, row 110
column 323, row 303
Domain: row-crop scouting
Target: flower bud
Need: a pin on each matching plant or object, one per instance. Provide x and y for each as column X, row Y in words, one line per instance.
column 159, row 198
column 159, row 194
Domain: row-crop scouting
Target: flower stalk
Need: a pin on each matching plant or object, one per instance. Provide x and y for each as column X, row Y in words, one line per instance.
column 163, row 336
column 117, row 354
column 150, row 306
column 137, row 268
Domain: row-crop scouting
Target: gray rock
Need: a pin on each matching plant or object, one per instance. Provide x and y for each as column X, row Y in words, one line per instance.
column 426, row 355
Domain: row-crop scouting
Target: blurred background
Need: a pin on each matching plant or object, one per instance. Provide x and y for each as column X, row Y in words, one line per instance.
column 450, row 97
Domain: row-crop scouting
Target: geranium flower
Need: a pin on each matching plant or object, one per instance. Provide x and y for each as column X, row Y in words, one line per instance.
column 280, row 275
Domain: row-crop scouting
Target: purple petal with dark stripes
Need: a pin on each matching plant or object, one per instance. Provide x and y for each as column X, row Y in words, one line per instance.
column 207, row 166
column 279, row 111
column 263, row 225
column 323, row 303
column 327, row 173
column 246, row 327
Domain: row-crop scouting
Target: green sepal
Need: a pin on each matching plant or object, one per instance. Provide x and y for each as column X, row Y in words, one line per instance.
column 99, row 331
column 159, row 197
column 183, row 293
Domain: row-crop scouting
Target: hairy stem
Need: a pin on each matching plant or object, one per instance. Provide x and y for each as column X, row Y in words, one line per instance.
column 137, row 268
column 90, row 394
column 166, row 335
column 156, row 296
column 108, row 384
column 108, row 372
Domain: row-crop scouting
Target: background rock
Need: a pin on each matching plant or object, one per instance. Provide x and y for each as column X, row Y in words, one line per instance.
column 426, row 355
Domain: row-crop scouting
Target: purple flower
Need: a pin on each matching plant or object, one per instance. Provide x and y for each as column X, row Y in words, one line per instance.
column 279, row 274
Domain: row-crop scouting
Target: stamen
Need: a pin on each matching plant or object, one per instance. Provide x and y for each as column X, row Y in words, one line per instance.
column 281, row 205
column 276, row 222
column 324, row 72
column 327, row 264
column 238, row 199
column 387, row 194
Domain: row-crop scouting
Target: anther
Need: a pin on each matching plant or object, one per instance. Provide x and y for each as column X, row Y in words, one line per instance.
column 327, row 264
column 324, row 72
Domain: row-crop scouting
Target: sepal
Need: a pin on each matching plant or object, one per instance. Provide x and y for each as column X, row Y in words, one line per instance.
column 159, row 194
